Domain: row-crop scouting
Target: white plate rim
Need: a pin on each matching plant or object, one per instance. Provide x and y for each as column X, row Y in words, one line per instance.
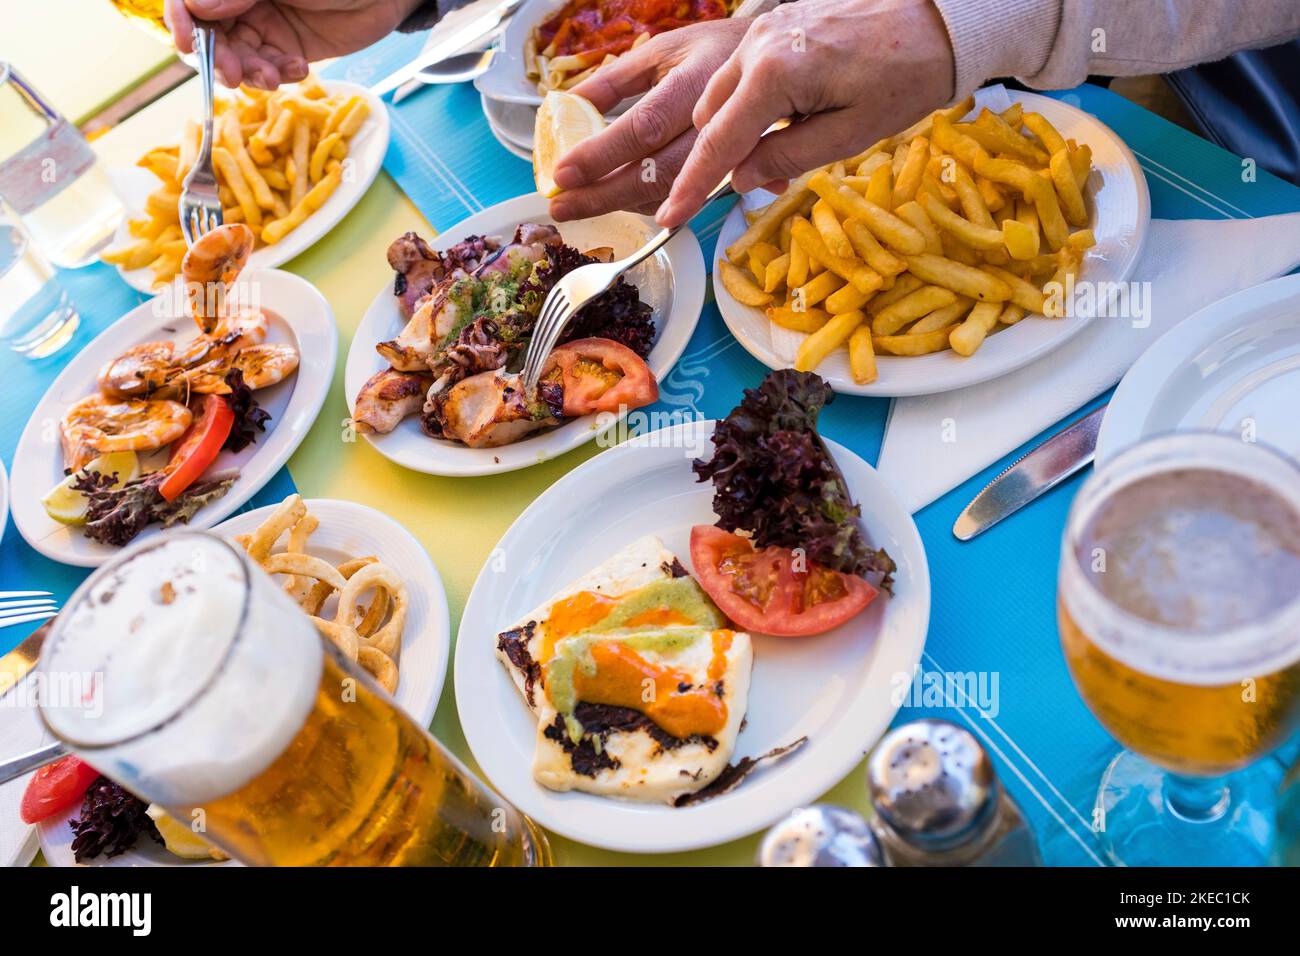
column 506, row 78
column 598, row 821
column 1122, row 425
column 414, row 562
column 371, row 141
column 317, row 335
column 434, row 457
column 946, row 370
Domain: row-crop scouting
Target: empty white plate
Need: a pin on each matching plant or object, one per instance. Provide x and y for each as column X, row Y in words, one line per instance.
column 1121, row 212
column 1234, row 366
column 837, row 688
column 671, row 282
column 299, row 315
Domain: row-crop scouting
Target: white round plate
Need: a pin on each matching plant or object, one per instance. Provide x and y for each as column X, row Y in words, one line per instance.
column 299, row 314
column 506, row 77
column 1233, row 366
column 347, row 530
column 836, row 687
column 512, row 124
column 671, row 282
column 366, row 151
column 1121, row 212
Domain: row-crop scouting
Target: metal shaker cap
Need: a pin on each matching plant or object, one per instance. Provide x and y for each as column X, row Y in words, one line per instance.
column 820, row 835
column 932, row 784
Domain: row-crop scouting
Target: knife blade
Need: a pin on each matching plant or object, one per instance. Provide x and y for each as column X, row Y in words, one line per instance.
column 18, row 663
column 1031, row 475
column 455, row 41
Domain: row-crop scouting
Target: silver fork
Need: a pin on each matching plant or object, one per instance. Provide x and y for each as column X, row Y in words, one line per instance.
column 24, row 607
column 583, row 284
column 200, row 203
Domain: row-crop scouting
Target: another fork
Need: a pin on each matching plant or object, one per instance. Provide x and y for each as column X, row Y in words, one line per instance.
column 583, row 284
column 25, row 607
column 200, row 203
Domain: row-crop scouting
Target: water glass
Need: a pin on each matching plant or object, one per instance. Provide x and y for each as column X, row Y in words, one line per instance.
column 36, row 316
column 50, row 177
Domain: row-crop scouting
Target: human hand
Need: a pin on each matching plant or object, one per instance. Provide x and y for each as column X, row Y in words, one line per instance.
column 856, row 70
column 631, row 164
column 264, row 43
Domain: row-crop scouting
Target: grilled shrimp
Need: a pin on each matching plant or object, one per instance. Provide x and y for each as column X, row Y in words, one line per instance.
column 139, row 371
column 261, row 365
column 210, row 266
column 99, row 424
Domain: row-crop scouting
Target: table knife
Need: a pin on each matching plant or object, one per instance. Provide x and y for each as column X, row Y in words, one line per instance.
column 1031, row 475
column 455, row 41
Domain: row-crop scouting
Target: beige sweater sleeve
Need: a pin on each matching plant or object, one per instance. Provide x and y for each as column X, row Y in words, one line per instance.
column 1055, row 44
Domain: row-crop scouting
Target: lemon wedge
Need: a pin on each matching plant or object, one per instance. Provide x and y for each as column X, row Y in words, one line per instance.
column 563, row 121
column 66, row 505
column 180, row 839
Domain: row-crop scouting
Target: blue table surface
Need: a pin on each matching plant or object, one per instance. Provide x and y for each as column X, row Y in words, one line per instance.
column 993, row 599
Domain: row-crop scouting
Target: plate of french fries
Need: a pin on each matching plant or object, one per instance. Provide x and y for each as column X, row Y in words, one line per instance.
column 942, row 256
column 289, row 164
column 367, row 584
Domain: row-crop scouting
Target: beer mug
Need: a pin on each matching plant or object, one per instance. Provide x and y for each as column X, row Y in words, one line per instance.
column 1179, row 616
column 182, row 671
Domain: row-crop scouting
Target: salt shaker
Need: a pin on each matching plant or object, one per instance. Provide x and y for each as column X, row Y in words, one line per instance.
column 939, row 803
column 820, row 835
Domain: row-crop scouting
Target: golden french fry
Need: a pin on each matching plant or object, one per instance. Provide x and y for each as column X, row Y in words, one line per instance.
column 870, row 250
column 1021, row 240
column 908, row 179
column 814, row 349
column 854, row 271
column 906, row 285
column 135, row 255
column 910, row 308
column 959, row 277
column 766, row 225
column 950, row 140
column 798, row 320
column 776, row 272
column 816, row 289
column 229, row 170
column 1011, row 140
column 353, row 118
column 321, row 154
column 797, row 272
column 232, row 138
column 887, row 227
column 274, row 178
column 316, row 196
column 923, row 344
column 880, row 187
column 980, row 237
column 943, row 318
column 823, row 218
column 1067, row 190
column 191, row 136
column 914, row 216
column 1081, row 163
column 1024, row 294
column 1082, row 240
column 1011, row 314
column 1039, row 125
column 862, row 356
column 741, row 285
column 968, row 336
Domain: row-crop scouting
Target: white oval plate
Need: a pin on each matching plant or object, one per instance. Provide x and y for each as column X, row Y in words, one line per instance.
column 1233, row 366
column 836, row 687
column 366, row 150
column 300, row 316
column 1121, row 212
column 671, row 281
column 347, row 530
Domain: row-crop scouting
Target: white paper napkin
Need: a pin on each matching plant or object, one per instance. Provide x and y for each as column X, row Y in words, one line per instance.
column 935, row 442
column 20, row 732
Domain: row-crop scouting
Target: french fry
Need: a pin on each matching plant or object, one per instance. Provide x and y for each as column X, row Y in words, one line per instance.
column 1021, row 240
column 1081, row 163
column 880, row 187
column 846, row 299
column 1024, row 294
column 797, row 270
column 1011, row 314
column 854, row 271
column 862, row 356
column 906, row 285
column 741, row 285
column 229, row 169
column 1039, row 125
column 971, row 199
column 1010, row 139
column 943, row 318
column 759, row 257
column 1082, row 240
column 980, row 237
column 887, row 227
column 923, row 344
column 908, row 179
column 958, row 277
column 966, row 338
column 814, row 349
column 135, row 255
column 273, row 232
column 816, row 289
column 914, row 216
column 869, row 249
column 823, row 217
column 766, row 225
column 797, row 320
column 910, row 308
column 776, row 272
column 1067, row 190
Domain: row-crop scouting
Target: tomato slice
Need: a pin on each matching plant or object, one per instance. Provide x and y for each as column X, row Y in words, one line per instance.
column 55, row 787
column 601, row 375
column 763, row 589
column 199, row 446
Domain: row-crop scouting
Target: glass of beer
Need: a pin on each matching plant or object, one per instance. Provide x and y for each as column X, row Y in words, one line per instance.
column 205, row 689
column 1179, row 613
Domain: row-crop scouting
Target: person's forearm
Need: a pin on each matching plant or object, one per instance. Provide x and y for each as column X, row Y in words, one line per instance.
column 1055, row 44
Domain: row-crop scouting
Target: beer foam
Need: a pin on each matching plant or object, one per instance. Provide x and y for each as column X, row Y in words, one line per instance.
column 196, row 670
